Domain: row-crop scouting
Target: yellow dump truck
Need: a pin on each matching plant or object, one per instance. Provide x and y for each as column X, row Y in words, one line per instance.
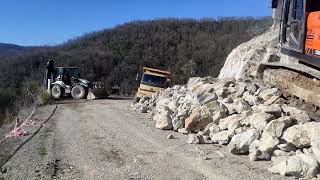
column 152, row 80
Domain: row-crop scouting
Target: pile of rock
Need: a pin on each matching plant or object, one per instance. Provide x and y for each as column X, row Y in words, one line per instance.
column 247, row 116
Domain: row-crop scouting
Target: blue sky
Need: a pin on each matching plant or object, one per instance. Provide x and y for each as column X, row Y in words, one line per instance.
column 50, row 22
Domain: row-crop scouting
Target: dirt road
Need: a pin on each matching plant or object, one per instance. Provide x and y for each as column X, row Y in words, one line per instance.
column 105, row 139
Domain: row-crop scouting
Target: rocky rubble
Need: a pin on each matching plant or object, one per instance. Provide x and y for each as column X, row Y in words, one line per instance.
column 246, row 116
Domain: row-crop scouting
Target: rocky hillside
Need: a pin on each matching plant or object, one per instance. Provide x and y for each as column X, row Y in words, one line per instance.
column 241, row 112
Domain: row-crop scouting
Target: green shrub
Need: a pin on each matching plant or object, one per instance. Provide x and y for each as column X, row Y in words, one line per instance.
column 43, row 97
column 32, row 85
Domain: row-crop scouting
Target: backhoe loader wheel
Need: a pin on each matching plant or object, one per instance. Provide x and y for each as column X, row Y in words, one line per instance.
column 57, row 91
column 78, row 92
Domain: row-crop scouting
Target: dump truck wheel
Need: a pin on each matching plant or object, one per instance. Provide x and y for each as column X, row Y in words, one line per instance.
column 78, row 92
column 57, row 91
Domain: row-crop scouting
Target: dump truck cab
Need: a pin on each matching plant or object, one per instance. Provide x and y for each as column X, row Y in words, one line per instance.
column 152, row 80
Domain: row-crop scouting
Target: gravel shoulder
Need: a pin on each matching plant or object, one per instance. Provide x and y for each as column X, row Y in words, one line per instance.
column 105, row 139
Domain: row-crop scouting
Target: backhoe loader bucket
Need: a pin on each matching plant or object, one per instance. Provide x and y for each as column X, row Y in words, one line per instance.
column 97, row 91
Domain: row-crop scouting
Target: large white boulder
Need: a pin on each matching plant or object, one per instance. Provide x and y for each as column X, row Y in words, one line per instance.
column 237, row 122
column 220, row 137
column 260, row 120
column 300, row 115
column 244, row 60
column 240, row 143
column 163, row 119
column 298, row 136
column 202, row 116
column 300, row 166
column 272, row 132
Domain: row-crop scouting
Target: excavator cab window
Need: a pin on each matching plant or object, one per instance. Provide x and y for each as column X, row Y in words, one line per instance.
column 293, row 25
column 313, row 6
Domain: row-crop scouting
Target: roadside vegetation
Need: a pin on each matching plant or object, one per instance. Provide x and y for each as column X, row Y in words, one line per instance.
column 185, row 47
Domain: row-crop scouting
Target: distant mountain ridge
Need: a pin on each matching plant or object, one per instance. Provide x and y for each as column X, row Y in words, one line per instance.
column 10, row 49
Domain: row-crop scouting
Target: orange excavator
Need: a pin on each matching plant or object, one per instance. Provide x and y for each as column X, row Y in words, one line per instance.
column 296, row 68
column 300, row 30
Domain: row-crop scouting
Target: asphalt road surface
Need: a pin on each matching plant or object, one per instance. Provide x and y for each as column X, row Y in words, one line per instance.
column 106, row 139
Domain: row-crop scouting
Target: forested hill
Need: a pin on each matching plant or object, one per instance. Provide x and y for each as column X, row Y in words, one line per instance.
column 185, row 47
column 10, row 49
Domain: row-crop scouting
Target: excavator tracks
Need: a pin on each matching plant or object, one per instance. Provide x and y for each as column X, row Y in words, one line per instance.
column 295, row 79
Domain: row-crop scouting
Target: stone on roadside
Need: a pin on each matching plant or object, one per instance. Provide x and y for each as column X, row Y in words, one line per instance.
column 242, row 106
column 227, row 100
column 221, row 138
column 143, row 108
column 204, row 97
column 273, row 109
column 170, row 136
column 300, row 115
column 272, row 132
column 240, row 143
column 279, row 168
column 172, row 106
column 206, row 137
column 251, row 99
column 268, row 93
column 252, row 87
column 195, row 139
column 222, row 93
column 315, row 140
column 237, row 122
column 240, row 89
column 224, row 123
column 240, row 130
column 144, row 99
column 278, row 152
column 163, row 119
column 183, row 131
column 203, row 116
column 297, row 135
column 253, row 150
column 211, row 128
column 178, row 119
column 194, row 81
column 300, row 166
column 286, row 147
column 260, row 120
column 231, row 107
column 271, row 100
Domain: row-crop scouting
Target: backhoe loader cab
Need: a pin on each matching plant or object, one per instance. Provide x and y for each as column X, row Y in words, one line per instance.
column 300, row 30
